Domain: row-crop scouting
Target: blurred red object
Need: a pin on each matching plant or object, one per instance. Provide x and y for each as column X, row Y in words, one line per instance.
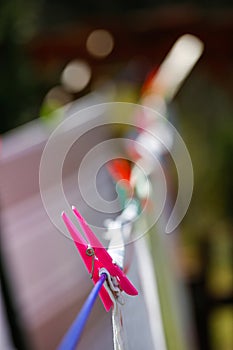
column 119, row 169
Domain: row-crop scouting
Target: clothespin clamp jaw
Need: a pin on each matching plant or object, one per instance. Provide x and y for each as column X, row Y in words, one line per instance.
column 96, row 257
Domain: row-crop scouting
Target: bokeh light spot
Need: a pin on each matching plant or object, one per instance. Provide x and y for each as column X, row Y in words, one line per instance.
column 100, row 43
column 76, row 76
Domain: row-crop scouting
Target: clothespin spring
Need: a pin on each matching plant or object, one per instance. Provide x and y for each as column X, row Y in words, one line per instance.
column 112, row 287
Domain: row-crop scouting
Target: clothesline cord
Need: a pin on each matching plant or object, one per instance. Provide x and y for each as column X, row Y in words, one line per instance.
column 73, row 335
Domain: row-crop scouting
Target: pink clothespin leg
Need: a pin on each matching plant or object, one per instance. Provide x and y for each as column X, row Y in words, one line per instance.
column 96, row 257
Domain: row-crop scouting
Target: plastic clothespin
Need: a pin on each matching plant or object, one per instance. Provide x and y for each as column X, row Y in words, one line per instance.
column 96, row 257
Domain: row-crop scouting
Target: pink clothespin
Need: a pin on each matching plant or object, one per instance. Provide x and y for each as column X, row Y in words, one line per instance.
column 96, row 257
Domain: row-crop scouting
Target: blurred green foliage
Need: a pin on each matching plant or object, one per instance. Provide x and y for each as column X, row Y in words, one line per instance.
column 206, row 125
column 21, row 86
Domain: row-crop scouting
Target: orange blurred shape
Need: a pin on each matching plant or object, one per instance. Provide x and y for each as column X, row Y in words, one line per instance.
column 119, row 169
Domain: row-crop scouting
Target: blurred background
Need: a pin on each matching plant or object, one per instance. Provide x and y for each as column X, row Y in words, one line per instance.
column 57, row 52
